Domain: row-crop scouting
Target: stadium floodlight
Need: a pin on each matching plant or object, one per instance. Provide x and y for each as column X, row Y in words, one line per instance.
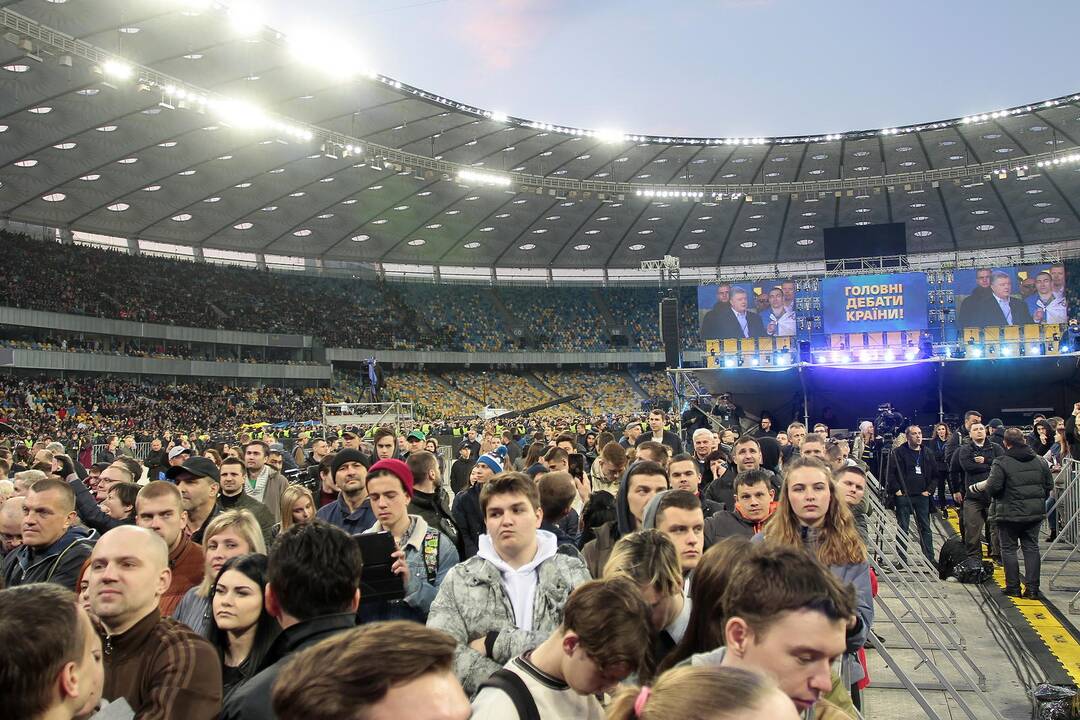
column 117, row 69
column 245, row 18
column 240, row 114
column 483, row 178
column 610, row 136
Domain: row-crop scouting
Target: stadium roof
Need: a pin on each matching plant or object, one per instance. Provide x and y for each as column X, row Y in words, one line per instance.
column 174, row 121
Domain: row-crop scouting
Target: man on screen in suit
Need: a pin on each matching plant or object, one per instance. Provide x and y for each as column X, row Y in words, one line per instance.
column 969, row 308
column 1000, row 307
column 737, row 322
column 721, row 308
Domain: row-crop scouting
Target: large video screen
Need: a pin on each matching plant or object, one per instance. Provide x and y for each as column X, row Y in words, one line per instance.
column 869, row 303
column 1021, row 295
column 760, row 308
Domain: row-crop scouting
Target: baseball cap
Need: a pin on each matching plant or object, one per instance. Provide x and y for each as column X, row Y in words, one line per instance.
column 178, row 451
column 198, row 466
column 416, row 435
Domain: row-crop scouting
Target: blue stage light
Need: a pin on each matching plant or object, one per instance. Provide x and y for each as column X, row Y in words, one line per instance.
column 975, row 351
column 889, row 356
column 731, row 362
column 783, row 359
column 845, row 358
column 866, row 356
column 835, row 356
column 1006, row 351
column 911, row 354
column 1034, row 350
column 754, row 361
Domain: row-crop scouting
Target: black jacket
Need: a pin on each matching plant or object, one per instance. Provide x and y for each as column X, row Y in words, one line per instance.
column 435, row 509
column 60, row 563
column 1020, row 481
column 903, row 474
column 261, row 513
column 252, row 700
column 670, row 439
column 724, row 324
column 459, row 474
column 987, row 312
column 469, row 520
column 972, row 471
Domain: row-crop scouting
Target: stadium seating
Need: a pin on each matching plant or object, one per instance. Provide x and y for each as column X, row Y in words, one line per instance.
column 342, row 312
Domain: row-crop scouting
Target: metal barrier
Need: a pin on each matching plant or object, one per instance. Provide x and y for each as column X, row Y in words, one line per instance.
column 906, row 577
column 140, row 453
column 1067, row 508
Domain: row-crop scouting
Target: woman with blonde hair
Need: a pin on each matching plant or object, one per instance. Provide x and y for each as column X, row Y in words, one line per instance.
column 813, row 516
column 649, row 559
column 704, row 693
column 229, row 534
column 297, row 508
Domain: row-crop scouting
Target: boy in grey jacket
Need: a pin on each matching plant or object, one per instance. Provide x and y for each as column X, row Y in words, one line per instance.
column 510, row 597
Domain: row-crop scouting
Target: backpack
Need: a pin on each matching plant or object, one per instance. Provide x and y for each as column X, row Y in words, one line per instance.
column 952, row 554
column 974, row 572
column 512, row 684
column 430, row 549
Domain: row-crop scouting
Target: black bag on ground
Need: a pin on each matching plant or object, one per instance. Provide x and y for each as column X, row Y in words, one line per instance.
column 952, row 554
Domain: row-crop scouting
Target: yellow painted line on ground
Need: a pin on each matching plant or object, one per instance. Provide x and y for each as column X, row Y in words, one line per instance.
column 1057, row 639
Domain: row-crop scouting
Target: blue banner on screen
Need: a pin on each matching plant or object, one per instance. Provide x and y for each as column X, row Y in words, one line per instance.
column 868, row 303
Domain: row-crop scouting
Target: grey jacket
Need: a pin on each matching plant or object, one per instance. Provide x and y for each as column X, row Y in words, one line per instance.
column 471, row 603
column 858, row 576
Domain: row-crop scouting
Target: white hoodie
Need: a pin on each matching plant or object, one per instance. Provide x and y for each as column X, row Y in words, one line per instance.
column 520, row 584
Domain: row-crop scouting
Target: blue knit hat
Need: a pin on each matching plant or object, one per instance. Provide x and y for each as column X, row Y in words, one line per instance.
column 492, row 461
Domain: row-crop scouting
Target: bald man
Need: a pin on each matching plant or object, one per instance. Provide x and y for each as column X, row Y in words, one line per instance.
column 11, row 517
column 157, row 665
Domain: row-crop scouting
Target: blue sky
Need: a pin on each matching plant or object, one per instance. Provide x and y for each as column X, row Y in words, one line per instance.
column 713, row 67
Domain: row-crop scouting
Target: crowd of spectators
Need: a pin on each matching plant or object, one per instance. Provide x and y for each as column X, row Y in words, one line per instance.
column 600, row 390
column 77, row 407
column 564, row 319
column 157, row 349
column 467, row 314
column 431, row 399
column 341, row 312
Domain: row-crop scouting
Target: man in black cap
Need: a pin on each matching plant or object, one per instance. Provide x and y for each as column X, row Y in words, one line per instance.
column 198, row 482
column 351, row 511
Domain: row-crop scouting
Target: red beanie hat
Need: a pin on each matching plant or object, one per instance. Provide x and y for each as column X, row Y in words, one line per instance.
column 398, row 468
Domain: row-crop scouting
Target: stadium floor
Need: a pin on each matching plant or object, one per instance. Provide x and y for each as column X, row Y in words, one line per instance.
column 1016, row 643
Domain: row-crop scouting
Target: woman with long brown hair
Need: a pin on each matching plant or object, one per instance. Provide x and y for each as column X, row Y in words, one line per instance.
column 813, row 516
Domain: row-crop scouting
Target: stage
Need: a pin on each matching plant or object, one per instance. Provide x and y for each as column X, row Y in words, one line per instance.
column 843, row 393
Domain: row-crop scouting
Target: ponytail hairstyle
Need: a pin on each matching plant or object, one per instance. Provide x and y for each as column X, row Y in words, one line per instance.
column 696, row 693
